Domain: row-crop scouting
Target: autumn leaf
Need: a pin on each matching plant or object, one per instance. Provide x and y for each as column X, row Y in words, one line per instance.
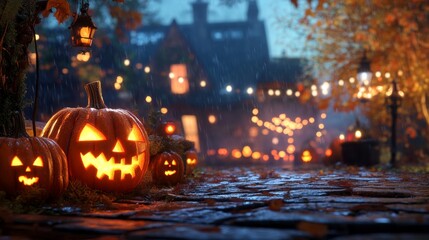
column 411, row 132
column 320, row 5
column 341, row 183
column 369, row 208
column 315, row 229
column 324, row 103
column 295, row 3
column 390, row 18
column 62, row 10
column 275, row 204
column 210, row 202
column 309, row 13
column 266, row 193
column 210, row 229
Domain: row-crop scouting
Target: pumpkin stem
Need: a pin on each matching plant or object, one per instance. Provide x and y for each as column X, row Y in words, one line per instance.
column 95, row 98
column 18, row 124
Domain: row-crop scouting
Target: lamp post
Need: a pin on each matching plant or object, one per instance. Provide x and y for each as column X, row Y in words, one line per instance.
column 364, row 76
column 394, row 96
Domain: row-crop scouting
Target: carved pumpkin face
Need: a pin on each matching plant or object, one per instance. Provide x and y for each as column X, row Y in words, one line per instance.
column 170, row 167
column 118, row 159
column 27, row 178
column 32, row 162
column 167, row 168
column 107, row 149
column 191, row 161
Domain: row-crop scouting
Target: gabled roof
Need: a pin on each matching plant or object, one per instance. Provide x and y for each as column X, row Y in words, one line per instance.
column 284, row 70
column 230, row 52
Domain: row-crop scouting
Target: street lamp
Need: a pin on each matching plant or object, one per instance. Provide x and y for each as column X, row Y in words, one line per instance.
column 393, row 97
column 364, row 76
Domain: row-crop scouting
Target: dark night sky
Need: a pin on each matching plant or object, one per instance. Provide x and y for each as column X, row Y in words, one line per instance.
column 279, row 38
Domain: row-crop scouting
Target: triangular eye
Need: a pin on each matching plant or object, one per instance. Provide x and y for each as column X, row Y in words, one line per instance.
column 135, row 134
column 38, row 162
column 90, row 133
column 173, row 162
column 166, row 162
column 16, row 162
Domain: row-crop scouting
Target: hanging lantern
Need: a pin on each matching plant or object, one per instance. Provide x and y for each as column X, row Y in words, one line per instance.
column 82, row 28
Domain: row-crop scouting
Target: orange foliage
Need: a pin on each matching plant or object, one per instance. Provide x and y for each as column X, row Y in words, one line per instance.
column 324, row 103
column 62, row 10
column 395, row 37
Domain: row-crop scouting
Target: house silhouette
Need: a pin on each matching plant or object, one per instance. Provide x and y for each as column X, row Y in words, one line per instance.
column 207, row 77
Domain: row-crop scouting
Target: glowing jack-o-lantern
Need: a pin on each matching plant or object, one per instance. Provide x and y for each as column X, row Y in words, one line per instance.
column 25, row 179
column 107, row 149
column 167, row 168
column 31, row 162
column 191, row 161
column 306, row 156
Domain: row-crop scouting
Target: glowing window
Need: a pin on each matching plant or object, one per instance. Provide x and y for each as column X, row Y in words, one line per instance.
column 179, row 79
column 190, row 127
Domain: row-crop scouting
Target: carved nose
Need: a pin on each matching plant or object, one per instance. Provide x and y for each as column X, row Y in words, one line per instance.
column 28, row 169
column 118, row 147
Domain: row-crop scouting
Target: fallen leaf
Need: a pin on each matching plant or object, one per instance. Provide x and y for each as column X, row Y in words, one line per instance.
column 209, row 229
column 369, row 208
column 266, row 193
column 210, row 202
column 275, row 204
column 341, row 183
column 315, row 229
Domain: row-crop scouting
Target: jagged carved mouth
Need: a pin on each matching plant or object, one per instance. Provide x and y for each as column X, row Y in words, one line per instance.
column 191, row 161
column 28, row 181
column 170, row 172
column 108, row 167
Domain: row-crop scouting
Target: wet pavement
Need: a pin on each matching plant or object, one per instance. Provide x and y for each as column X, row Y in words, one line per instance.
column 252, row 203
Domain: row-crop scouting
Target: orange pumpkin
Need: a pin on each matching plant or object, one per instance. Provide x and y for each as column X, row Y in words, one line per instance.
column 309, row 155
column 107, row 149
column 306, row 156
column 31, row 162
column 191, row 161
column 167, row 168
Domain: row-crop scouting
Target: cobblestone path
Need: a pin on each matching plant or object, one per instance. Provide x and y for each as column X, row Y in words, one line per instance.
column 253, row 203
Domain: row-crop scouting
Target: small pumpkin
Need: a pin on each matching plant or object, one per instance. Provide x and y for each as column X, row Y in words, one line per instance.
column 31, row 162
column 107, row 149
column 309, row 155
column 191, row 161
column 306, row 156
column 167, row 168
